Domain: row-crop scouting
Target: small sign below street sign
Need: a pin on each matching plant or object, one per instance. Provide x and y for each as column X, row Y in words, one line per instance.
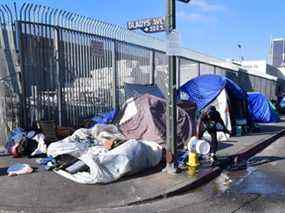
column 149, row 25
column 173, row 44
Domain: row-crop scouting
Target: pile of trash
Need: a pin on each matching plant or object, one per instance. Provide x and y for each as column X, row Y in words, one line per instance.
column 114, row 145
column 21, row 143
column 100, row 154
column 110, row 146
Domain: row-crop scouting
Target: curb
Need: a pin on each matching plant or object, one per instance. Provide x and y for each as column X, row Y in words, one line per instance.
column 255, row 148
column 203, row 179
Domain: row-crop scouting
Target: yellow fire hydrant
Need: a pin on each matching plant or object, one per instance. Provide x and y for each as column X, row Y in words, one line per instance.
column 193, row 160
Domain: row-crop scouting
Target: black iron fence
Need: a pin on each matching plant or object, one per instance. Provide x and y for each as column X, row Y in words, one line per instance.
column 67, row 67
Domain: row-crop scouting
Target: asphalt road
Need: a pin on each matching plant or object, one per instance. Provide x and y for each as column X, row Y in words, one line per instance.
column 258, row 188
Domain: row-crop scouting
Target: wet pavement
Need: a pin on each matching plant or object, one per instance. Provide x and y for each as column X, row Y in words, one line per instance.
column 265, row 172
column 257, row 186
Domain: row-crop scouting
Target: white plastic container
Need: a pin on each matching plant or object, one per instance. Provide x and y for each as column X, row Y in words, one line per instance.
column 199, row 146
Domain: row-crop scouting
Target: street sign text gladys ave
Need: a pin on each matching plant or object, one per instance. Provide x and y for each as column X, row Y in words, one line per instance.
column 185, row 1
column 149, row 25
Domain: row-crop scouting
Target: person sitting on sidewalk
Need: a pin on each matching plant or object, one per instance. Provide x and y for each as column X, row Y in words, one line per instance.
column 211, row 121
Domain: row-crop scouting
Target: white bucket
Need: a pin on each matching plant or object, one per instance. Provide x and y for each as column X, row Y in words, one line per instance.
column 199, row 146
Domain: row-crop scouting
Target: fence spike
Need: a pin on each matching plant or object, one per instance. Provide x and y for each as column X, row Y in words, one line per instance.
column 57, row 21
column 15, row 11
column 6, row 14
column 81, row 21
column 44, row 14
column 105, row 28
column 51, row 15
column 63, row 18
column 100, row 26
column 21, row 11
column 29, row 12
column 3, row 17
column 89, row 25
column 93, row 25
column 32, row 13
column 71, row 20
column 85, row 24
column 10, row 13
column 39, row 12
column 49, row 12
column 116, row 30
column 95, row 28
column 77, row 17
column 67, row 20
column 26, row 12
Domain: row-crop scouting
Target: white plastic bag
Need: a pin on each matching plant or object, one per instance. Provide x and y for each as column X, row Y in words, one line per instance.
column 19, row 169
column 68, row 146
column 131, row 157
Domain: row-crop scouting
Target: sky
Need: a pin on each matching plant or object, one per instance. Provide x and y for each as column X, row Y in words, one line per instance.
column 213, row 27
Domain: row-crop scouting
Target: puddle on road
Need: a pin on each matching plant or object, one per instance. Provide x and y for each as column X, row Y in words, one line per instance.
column 259, row 180
column 218, row 186
column 266, row 179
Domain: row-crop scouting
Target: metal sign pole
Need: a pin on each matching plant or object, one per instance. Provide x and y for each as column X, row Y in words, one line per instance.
column 171, row 126
column 158, row 24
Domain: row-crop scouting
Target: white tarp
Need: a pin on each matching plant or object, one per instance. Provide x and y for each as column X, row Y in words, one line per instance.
column 222, row 107
column 82, row 139
column 130, row 110
column 105, row 167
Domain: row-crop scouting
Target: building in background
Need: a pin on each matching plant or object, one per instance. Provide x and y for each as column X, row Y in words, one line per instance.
column 263, row 69
column 277, row 52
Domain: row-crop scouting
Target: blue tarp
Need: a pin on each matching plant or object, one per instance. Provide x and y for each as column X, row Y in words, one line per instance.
column 105, row 118
column 261, row 109
column 282, row 103
column 204, row 89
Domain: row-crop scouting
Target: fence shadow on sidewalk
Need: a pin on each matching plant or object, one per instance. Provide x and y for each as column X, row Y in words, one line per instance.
column 266, row 129
column 224, row 145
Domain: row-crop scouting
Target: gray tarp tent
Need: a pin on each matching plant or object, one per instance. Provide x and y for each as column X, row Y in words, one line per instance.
column 144, row 118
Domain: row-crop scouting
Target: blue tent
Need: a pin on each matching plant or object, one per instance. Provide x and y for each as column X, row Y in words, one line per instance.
column 204, row 89
column 261, row 109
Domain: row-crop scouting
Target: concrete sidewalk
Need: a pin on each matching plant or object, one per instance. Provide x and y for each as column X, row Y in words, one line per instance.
column 48, row 192
column 242, row 148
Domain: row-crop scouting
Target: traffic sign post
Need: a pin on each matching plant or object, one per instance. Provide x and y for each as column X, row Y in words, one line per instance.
column 167, row 24
column 171, row 124
column 171, row 119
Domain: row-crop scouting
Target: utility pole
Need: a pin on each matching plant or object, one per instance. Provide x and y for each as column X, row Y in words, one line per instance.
column 157, row 25
column 171, row 124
